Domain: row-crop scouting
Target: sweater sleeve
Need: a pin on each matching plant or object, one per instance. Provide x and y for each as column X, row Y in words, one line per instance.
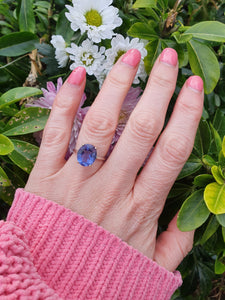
column 80, row 260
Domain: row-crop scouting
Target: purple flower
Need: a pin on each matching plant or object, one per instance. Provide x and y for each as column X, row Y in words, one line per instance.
column 47, row 101
column 132, row 98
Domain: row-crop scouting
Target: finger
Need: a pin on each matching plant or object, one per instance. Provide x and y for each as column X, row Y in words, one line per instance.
column 101, row 120
column 172, row 246
column 57, row 131
column 173, row 147
column 146, row 121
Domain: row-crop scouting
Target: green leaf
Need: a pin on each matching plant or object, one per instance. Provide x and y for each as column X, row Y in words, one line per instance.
column 192, row 166
column 208, row 30
column 145, row 3
column 142, row 31
column 223, row 146
column 63, row 27
column 219, row 266
column 221, row 219
column 26, row 16
column 203, row 138
column 16, row 94
column 223, row 233
column 218, row 175
column 219, row 123
column 193, row 212
column 4, row 180
column 216, row 138
column 17, row 43
column 6, row 146
column 28, row 120
column 154, row 49
column 210, row 229
column 180, row 38
column 203, row 179
column 204, row 63
column 24, row 155
column 178, row 189
column 214, row 197
column 208, row 160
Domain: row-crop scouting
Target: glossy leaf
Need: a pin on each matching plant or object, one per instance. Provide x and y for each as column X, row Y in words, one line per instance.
column 63, row 27
column 6, row 146
column 219, row 123
column 142, row 31
column 17, row 43
column 216, row 138
column 26, row 16
column 208, row 160
column 210, row 229
column 145, row 3
column 218, row 175
column 24, row 155
column 203, row 138
column 204, row 63
column 221, row 219
column 214, row 197
column 219, row 266
column 203, row 179
column 16, row 94
column 192, row 166
column 154, row 49
column 223, row 146
column 28, row 120
column 223, row 233
column 193, row 212
column 208, row 30
column 4, row 180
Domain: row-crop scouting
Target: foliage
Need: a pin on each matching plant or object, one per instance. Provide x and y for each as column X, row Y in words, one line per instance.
column 196, row 30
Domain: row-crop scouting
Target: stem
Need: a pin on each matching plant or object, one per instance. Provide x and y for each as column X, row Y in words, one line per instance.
column 12, row 62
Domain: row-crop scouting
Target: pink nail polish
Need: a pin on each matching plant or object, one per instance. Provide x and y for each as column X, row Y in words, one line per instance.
column 77, row 76
column 195, row 83
column 169, row 56
column 132, row 57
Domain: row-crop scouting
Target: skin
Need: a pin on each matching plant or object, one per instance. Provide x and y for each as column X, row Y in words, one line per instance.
column 110, row 193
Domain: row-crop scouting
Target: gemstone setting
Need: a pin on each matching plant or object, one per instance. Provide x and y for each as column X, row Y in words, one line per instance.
column 86, row 155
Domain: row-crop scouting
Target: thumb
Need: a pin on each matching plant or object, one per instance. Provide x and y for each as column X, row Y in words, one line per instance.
column 172, row 246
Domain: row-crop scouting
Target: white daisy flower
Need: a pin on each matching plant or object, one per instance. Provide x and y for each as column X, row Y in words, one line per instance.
column 87, row 55
column 121, row 45
column 96, row 17
column 61, row 55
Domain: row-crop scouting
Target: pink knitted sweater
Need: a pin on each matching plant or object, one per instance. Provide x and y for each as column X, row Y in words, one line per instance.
column 50, row 252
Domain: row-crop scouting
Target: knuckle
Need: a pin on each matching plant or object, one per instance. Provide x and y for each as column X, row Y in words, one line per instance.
column 144, row 126
column 99, row 124
column 53, row 136
column 118, row 82
column 163, row 82
column 177, row 150
column 193, row 109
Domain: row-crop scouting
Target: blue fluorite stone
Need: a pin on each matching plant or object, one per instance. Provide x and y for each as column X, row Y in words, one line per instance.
column 86, row 155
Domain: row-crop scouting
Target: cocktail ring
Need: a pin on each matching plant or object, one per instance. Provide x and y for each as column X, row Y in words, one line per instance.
column 87, row 154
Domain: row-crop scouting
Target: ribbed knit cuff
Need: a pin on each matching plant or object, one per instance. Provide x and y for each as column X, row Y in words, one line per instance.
column 81, row 260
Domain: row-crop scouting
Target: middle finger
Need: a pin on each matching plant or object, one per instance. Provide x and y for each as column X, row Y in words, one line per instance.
column 146, row 121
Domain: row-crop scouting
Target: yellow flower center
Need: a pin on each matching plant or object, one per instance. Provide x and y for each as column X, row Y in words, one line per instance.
column 93, row 18
column 87, row 59
column 119, row 53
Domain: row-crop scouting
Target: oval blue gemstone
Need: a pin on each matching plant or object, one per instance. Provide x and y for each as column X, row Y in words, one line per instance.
column 86, row 155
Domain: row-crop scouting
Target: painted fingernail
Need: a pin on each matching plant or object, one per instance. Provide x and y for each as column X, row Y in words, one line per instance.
column 132, row 57
column 195, row 83
column 77, row 76
column 169, row 57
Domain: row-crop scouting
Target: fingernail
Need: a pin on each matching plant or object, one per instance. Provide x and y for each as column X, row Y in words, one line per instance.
column 132, row 57
column 169, row 57
column 195, row 83
column 77, row 76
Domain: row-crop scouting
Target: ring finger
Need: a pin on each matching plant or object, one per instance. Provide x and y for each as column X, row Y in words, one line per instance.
column 101, row 120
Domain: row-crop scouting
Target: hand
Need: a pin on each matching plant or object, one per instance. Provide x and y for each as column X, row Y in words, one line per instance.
column 110, row 193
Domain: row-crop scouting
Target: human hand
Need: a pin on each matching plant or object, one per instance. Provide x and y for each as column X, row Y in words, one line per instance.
column 110, row 193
